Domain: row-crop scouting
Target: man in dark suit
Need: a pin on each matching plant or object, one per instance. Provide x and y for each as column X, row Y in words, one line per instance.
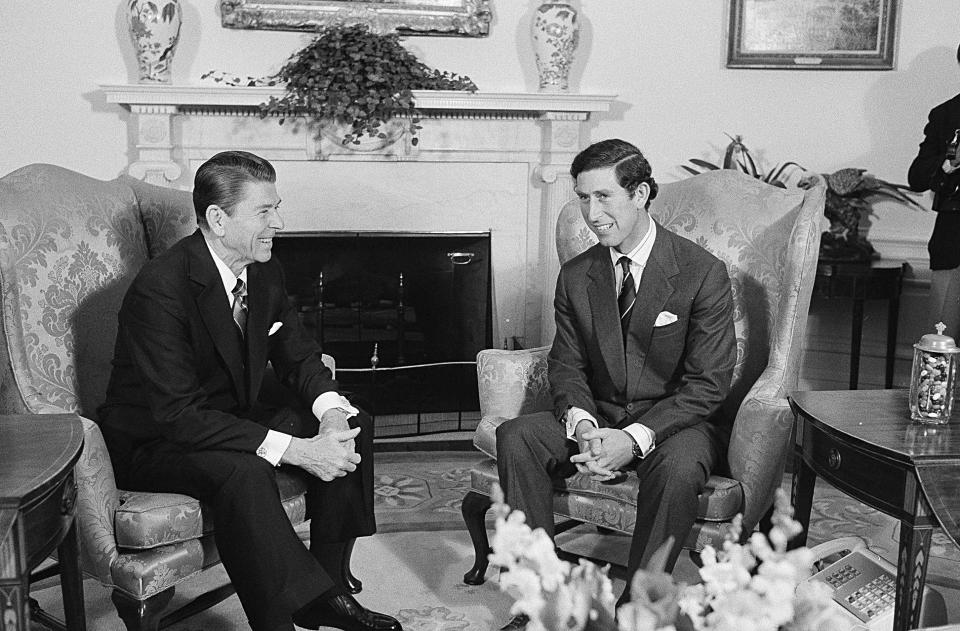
column 640, row 363
column 938, row 170
column 184, row 411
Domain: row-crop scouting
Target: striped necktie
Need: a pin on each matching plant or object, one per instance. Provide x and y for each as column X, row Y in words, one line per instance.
column 240, row 306
column 628, row 296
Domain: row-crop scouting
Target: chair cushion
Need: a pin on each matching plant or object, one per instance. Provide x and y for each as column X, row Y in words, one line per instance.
column 149, row 520
column 615, row 505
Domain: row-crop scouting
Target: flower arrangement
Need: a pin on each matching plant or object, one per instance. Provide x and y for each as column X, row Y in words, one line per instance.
column 850, row 196
column 352, row 77
column 757, row 586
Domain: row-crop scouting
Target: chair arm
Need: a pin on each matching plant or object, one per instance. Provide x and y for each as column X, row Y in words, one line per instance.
column 97, row 502
column 758, row 451
column 512, row 383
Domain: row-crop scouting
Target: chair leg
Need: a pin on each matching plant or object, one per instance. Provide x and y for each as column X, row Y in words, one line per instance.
column 141, row 615
column 474, row 510
column 351, row 582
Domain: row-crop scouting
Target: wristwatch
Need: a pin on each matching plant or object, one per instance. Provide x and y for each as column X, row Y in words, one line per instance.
column 637, row 451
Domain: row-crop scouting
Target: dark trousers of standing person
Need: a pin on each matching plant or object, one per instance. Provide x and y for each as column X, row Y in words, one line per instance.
column 273, row 572
column 944, row 302
column 533, row 451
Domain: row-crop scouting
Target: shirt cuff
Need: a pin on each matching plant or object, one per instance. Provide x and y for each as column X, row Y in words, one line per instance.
column 330, row 400
column 573, row 417
column 643, row 435
column 273, row 446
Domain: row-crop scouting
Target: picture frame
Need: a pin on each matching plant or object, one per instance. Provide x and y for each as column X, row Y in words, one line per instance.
column 813, row 34
column 466, row 18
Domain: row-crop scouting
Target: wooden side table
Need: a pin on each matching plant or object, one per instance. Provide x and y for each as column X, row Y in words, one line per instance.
column 874, row 280
column 37, row 498
column 864, row 444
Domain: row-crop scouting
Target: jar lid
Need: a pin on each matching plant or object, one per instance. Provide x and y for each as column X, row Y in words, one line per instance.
column 937, row 342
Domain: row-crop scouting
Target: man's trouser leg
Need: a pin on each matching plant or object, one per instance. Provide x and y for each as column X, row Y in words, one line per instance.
column 272, row 571
column 533, row 451
column 671, row 478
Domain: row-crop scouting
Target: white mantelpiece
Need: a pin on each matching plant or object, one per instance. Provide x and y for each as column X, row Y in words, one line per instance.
column 484, row 161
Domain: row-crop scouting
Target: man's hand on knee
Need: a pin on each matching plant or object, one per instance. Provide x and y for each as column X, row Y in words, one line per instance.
column 615, row 453
column 589, row 449
column 336, row 420
column 326, row 455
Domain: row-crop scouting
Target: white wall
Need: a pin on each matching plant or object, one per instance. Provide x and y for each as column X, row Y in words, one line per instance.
column 665, row 60
column 676, row 96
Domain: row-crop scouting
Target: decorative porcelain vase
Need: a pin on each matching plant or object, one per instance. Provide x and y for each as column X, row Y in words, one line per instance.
column 155, row 29
column 555, row 33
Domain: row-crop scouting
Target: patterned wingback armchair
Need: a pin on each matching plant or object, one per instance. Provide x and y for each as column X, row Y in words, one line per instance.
column 769, row 239
column 69, row 247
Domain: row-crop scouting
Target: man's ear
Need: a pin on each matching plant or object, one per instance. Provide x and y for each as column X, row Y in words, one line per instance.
column 641, row 194
column 215, row 216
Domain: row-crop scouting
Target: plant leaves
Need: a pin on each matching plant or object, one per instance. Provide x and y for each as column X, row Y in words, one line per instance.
column 350, row 74
column 703, row 163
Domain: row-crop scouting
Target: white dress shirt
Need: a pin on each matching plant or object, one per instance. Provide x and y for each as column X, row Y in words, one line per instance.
column 276, row 443
column 641, row 434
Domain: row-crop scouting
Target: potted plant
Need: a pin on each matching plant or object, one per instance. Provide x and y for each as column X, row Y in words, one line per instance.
column 355, row 80
column 737, row 157
column 850, row 196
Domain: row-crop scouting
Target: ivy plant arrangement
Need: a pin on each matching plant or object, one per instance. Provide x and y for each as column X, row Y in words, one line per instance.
column 354, row 78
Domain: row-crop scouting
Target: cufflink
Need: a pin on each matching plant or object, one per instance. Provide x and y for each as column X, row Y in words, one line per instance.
column 262, row 451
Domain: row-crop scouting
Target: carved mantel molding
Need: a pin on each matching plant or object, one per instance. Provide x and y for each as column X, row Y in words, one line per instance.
column 427, row 100
column 176, row 127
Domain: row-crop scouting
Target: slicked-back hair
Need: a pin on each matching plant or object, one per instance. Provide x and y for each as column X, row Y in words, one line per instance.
column 221, row 179
column 630, row 166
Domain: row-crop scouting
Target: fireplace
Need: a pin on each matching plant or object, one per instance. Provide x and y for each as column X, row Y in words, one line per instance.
column 404, row 315
column 494, row 162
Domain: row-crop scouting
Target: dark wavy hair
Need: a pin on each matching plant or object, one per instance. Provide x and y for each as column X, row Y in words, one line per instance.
column 631, row 168
column 221, row 179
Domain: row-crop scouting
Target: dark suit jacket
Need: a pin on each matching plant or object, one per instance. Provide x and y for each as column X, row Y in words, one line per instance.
column 672, row 376
column 179, row 370
column 926, row 174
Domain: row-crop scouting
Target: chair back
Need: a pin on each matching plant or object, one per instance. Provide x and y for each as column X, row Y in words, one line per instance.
column 769, row 238
column 69, row 247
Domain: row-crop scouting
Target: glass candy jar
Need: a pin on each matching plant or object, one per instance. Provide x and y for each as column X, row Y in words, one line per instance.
column 933, row 377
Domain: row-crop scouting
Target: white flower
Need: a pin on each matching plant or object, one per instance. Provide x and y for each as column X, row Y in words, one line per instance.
column 723, row 577
column 754, row 587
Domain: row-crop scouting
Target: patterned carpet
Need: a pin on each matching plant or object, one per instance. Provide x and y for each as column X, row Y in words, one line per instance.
column 413, row 567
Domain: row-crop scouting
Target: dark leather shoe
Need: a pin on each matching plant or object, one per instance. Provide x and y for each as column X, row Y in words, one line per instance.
column 344, row 612
column 517, row 623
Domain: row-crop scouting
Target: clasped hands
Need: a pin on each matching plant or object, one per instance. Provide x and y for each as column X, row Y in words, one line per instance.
column 331, row 453
column 604, row 451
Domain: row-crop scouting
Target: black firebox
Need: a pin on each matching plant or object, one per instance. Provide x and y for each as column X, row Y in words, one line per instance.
column 402, row 313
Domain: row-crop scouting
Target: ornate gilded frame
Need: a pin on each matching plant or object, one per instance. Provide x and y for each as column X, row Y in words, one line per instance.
column 796, row 34
column 466, row 18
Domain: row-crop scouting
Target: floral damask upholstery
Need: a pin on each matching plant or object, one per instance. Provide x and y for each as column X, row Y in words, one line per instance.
column 769, row 238
column 69, row 247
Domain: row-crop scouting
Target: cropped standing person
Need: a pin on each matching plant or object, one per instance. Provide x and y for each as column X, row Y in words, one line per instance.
column 935, row 171
column 184, row 411
column 641, row 361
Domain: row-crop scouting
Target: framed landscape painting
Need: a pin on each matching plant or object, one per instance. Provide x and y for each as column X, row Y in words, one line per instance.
column 468, row 18
column 812, row 34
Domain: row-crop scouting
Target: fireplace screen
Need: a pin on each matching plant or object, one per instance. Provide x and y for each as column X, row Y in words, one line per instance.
column 403, row 314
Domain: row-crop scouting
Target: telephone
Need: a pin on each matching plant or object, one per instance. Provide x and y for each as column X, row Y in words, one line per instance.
column 864, row 585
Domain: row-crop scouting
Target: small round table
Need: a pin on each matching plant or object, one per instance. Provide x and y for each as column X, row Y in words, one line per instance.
column 37, row 500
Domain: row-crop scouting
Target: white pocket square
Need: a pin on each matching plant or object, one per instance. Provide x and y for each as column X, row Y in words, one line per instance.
column 665, row 318
column 276, row 327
